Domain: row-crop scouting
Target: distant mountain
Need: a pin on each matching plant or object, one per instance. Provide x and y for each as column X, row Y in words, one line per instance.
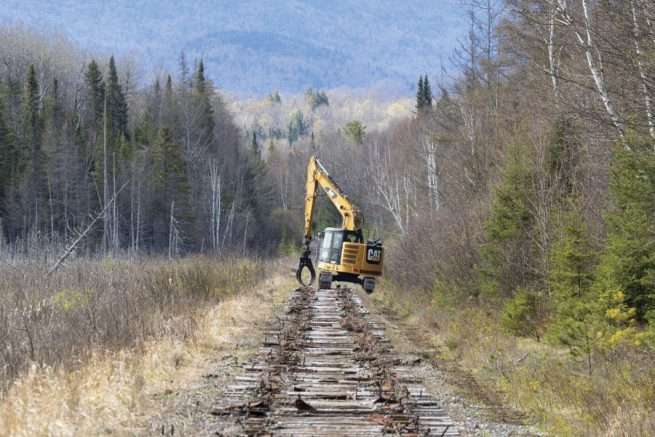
column 255, row 46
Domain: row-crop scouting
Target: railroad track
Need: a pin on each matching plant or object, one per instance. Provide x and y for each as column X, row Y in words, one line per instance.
column 326, row 369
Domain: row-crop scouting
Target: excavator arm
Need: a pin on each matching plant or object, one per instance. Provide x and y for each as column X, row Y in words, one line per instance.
column 317, row 176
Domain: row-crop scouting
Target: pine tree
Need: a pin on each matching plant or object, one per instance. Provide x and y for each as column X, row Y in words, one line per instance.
column 296, row 127
column 169, row 108
column 507, row 253
column 316, row 99
column 96, row 95
column 420, row 95
column 203, row 93
column 56, row 154
column 577, row 313
column 628, row 263
column 355, row 131
column 423, row 95
column 258, row 195
column 91, row 149
column 156, row 104
column 32, row 139
column 8, row 159
column 427, row 93
column 254, row 147
column 116, row 105
column 150, row 124
column 171, row 185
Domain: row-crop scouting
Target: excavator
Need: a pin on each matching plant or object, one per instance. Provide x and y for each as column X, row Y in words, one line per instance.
column 344, row 256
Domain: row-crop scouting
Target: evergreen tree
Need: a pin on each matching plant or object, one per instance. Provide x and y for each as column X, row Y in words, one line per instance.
column 521, row 315
column 203, row 93
column 423, row 95
column 96, row 95
column 254, row 147
column 316, row 99
column 171, row 186
column 420, row 95
column 563, row 156
column 628, row 265
column 577, row 312
column 57, row 155
column 274, row 97
column 169, row 107
column 150, row 124
column 427, row 93
column 257, row 196
column 296, row 127
column 156, row 104
column 8, row 159
column 32, row 140
column 116, row 106
column 355, row 131
column 508, row 253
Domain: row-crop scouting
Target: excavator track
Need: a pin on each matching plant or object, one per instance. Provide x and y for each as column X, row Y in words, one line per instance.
column 326, row 369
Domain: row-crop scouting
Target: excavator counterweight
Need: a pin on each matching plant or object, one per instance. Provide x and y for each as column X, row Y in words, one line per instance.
column 344, row 255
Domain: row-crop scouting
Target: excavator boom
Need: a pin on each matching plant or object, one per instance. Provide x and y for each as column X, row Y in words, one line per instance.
column 318, row 176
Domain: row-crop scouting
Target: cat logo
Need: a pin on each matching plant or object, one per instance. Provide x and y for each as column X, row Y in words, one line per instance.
column 374, row 255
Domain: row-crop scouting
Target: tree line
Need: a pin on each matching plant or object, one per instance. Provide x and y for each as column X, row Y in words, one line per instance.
column 159, row 168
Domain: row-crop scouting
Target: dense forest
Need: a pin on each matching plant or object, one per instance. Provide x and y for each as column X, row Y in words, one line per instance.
column 86, row 151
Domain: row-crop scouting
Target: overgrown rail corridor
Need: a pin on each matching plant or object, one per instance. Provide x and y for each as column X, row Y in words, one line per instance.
column 327, row 369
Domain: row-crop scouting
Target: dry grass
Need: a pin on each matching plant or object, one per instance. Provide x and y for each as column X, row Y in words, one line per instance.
column 59, row 320
column 547, row 383
column 110, row 389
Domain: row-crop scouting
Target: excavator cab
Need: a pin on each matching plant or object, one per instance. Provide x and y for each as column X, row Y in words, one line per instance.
column 332, row 240
column 345, row 256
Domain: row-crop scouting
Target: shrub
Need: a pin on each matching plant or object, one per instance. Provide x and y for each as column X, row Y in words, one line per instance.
column 520, row 315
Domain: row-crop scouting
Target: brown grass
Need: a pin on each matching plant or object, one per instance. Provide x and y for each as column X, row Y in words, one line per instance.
column 111, row 390
column 60, row 320
column 547, row 384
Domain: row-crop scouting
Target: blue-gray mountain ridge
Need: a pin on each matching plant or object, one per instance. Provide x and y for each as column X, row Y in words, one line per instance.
column 251, row 47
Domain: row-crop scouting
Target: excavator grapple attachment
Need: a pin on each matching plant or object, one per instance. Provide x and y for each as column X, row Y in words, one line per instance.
column 306, row 263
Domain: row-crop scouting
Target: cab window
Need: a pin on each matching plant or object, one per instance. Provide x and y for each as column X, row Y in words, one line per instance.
column 326, row 245
column 335, row 253
column 331, row 247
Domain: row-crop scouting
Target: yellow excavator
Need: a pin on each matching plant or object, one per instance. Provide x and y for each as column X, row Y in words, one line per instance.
column 343, row 255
